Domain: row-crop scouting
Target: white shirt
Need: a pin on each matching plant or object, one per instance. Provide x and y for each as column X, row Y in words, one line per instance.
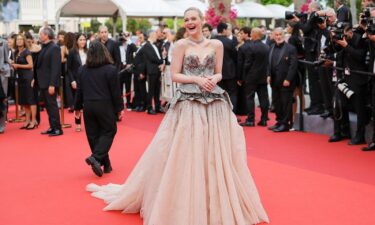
column 83, row 56
column 123, row 53
column 156, row 50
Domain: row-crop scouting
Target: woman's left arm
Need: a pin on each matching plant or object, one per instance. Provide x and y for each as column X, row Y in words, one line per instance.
column 219, row 50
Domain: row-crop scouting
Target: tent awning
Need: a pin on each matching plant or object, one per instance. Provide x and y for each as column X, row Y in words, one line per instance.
column 252, row 10
column 278, row 11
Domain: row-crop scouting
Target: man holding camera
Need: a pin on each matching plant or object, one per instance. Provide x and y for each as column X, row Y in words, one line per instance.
column 352, row 87
column 312, row 36
column 371, row 69
column 127, row 50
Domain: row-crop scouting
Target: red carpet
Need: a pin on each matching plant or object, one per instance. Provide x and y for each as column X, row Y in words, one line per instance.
column 302, row 179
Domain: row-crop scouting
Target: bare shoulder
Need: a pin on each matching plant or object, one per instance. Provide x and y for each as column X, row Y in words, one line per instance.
column 216, row 43
column 181, row 44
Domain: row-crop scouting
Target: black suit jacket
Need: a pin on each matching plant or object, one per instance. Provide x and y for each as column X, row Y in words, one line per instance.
column 114, row 50
column 48, row 66
column 152, row 60
column 255, row 62
column 344, row 15
column 139, row 62
column 230, row 58
column 355, row 58
column 73, row 63
column 285, row 67
column 130, row 52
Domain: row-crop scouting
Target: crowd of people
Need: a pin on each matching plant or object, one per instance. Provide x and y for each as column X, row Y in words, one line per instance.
column 321, row 48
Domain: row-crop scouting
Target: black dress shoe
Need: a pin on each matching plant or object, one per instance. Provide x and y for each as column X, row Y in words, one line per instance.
column 335, row 138
column 151, row 112
column 159, row 110
column 247, row 124
column 370, row 147
column 262, row 123
column 274, row 126
column 315, row 111
column 357, row 141
column 281, row 128
column 56, row 132
column 107, row 169
column 95, row 166
column 141, row 109
column 49, row 131
column 326, row 114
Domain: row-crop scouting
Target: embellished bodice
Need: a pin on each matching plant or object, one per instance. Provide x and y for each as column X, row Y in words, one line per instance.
column 193, row 66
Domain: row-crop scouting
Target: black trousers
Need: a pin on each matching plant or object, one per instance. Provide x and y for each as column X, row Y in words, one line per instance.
column 140, row 93
column 325, row 77
column 231, row 87
column 100, row 126
column 262, row 92
column 52, row 108
column 314, row 85
column 283, row 102
column 126, row 78
column 356, row 102
column 154, row 86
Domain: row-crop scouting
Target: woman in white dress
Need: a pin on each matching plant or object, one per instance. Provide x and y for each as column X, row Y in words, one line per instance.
column 194, row 172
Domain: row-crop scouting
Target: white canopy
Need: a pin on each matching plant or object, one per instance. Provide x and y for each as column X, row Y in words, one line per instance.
column 252, row 10
column 181, row 5
column 278, row 11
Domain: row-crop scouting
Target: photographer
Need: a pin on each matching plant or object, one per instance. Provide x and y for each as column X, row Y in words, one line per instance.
column 127, row 50
column 371, row 69
column 352, row 86
column 327, row 55
column 312, row 34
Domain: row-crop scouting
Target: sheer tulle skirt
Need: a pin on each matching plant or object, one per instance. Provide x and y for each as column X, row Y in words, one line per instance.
column 194, row 172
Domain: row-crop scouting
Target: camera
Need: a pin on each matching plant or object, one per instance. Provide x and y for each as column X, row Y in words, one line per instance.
column 371, row 29
column 366, row 17
column 343, row 87
column 290, row 15
column 338, row 31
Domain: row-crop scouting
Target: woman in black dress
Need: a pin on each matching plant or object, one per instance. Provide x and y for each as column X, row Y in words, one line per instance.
column 98, row 94
column 23, row 65
column 295, row 39
column 76, row 58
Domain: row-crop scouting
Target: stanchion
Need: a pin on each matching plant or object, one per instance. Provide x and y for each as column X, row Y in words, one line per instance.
column 17, row 119
column 63, row 125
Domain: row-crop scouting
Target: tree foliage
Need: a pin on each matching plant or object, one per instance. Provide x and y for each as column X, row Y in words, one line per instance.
column 280, row 2
column 138, row 24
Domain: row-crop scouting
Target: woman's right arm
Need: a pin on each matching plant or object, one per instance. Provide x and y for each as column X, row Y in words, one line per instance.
column 176, row 69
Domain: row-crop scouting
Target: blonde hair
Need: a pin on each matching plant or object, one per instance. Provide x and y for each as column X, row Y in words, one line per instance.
column 194, row 9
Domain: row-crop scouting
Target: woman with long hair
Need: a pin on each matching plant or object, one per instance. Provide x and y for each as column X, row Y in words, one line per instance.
column 23, row 65
column 76, row 58
column 98, row 94
column 194, row 172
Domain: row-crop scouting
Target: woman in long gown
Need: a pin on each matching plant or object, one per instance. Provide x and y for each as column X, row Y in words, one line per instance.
column 194, row 172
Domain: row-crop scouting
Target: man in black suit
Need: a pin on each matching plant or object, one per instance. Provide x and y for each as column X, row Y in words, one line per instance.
column 140, row 93
column 154, row 64
column 311, row 44
column 48, row 70
column 127, row 51
column 343, row 12
column 353, row 57
column 111, row 45
column 255, row 76
column 229, row 81
column 282, row 71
